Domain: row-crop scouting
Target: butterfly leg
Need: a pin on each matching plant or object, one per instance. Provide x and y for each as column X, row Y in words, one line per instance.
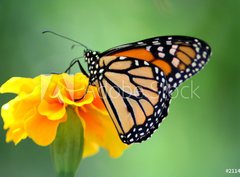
column 73, row 62
column 85, row 93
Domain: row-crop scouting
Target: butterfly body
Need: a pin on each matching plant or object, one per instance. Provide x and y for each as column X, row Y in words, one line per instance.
column 136, row 80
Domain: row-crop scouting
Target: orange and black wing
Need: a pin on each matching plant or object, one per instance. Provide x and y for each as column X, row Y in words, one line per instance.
column 135, row 94
column 179, row 57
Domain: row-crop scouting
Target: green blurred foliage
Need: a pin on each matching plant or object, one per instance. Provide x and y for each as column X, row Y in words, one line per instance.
column 200, row 137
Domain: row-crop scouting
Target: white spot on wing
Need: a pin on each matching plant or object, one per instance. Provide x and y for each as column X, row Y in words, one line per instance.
column 205, row 54
column 101, row 70
column 136, row 63
column 172, row 51
column 146, row 63
column 122, row 58
column 169, row 42
column 198, row 56
column 175, row 46
column 177, row 75
column 148, row 48
column 160, row 48
column 175, row 62
column 170, row 79
column 128, row 135
column 161, row 55
column 156, row 42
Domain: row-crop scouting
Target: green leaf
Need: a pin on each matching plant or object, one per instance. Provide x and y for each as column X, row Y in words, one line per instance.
column 67, row 148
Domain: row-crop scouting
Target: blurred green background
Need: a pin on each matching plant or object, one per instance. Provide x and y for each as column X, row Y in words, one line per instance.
column 199, row 138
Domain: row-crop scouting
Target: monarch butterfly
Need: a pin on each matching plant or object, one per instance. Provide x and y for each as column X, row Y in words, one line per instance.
column 136, row 80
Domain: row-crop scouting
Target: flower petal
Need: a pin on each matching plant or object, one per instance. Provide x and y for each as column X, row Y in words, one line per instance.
column 7, row 114
column 18, row 85
column 40, row 106
column 16, row 131
column 54, row 111
column 100, row 130
column 90, row 148
column 16, row 134
column 42, row 130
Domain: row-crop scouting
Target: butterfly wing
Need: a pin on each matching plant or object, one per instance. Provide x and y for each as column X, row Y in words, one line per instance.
column 179, row 57
column 136, row 80
column 135, row 94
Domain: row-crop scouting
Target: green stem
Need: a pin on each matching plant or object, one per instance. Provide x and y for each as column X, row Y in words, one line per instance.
column 67, row 148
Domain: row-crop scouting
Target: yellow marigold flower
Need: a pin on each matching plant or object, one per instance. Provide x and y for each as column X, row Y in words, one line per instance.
column 40, row 106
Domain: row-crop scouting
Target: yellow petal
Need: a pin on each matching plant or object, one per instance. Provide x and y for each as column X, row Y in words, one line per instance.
column 14, row 113
column 87, row 99
column 48, row 87
column 53, row 111
column 42, row 130
column 99, row 130
column 18, row 85
column 16, row 135
column 40, row 105
column 16, row 131
column 7, row 114
column 90, row 148
column 73, row 90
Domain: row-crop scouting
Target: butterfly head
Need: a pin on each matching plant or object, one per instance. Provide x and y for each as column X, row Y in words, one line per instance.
column 92, row 57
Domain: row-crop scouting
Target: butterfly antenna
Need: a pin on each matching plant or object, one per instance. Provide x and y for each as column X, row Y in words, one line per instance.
column 65, row 38
column 74, row 45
